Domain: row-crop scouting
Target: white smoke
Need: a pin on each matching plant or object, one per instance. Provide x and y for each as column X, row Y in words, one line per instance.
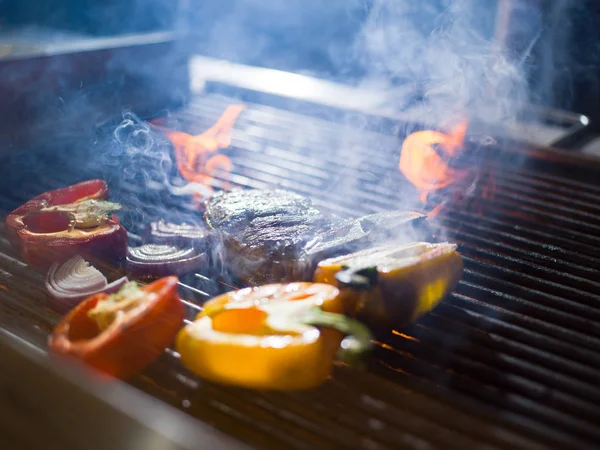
column 448, row 49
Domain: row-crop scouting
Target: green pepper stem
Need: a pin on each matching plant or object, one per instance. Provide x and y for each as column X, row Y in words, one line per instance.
column 358, row 337
column 357, row 278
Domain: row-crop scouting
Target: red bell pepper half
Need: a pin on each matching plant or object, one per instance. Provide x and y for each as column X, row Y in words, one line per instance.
column 121, row 333
column 56, row 225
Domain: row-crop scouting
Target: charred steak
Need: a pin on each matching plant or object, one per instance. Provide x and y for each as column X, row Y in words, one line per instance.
column 276, row 235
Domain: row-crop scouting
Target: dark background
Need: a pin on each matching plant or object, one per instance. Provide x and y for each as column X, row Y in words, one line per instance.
column 319, row 37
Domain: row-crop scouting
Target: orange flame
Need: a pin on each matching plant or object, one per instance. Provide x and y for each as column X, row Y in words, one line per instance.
column 425, row 157
column 196, row 156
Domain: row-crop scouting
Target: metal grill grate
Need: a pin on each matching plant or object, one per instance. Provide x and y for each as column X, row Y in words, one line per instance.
column 509, row 360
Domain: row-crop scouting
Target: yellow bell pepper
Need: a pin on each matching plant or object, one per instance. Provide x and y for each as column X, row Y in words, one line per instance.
column 393, row 285
column 278, row 336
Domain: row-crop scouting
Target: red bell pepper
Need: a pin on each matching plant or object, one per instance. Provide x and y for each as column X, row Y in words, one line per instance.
column 121, row 333
column 56, row 225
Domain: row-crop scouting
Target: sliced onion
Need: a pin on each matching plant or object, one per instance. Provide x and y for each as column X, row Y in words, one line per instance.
column 179, row 234
column 154, row 260
column 74, row 280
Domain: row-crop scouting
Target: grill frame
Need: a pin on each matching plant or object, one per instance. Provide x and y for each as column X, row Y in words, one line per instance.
column 55, row 401
column 511, row 399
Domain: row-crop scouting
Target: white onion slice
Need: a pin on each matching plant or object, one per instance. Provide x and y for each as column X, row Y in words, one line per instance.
column 74, row 280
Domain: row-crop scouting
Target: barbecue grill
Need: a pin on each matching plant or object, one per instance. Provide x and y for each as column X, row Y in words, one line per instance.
column 510, row 359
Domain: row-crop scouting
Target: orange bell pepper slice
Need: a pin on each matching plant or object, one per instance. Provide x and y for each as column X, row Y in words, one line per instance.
column 393, row 285
column 278, row 336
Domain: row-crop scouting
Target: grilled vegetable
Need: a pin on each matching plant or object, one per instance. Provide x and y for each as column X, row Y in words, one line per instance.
column 279, row 336
column 393, row 285
column 122, row 333
column 276, row 236
column 178, row 234
column 152, row 260
column 56, row 225
column 75, row 280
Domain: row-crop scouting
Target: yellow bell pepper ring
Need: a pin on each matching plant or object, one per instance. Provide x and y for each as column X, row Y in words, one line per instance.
column 393, row 285
column 278, row 336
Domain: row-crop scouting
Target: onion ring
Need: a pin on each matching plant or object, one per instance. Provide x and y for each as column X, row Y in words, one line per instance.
column 69, row 283
column 154, row 260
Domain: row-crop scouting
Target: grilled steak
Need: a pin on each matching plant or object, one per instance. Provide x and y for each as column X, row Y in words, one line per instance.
column 276, row 235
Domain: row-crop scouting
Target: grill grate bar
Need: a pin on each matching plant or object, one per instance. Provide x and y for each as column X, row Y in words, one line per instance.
column 520, row 228
column 531, row 268
column 369, row 203
column 490, row 376
column 566, row 222
column 518, row 409
column 526, row 308
column 461, row 334
column 360, row 170
column 380, row 394
column 394, row 360
column 487, row 247
column 398, row 419
column 512, row 217
column 501, row 362
column 391, row 413
column 522, row 320
column 510, row 330
column 537, row 174
column 553, row 288
column 566, row 213
column 548, row 195
column 519, row 244
column 213, row 408
column 556, row 303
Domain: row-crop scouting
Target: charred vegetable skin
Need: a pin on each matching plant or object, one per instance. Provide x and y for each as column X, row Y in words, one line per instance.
column 122, row 333
column 267, row 337
column 390, row 285
column 75, row 220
